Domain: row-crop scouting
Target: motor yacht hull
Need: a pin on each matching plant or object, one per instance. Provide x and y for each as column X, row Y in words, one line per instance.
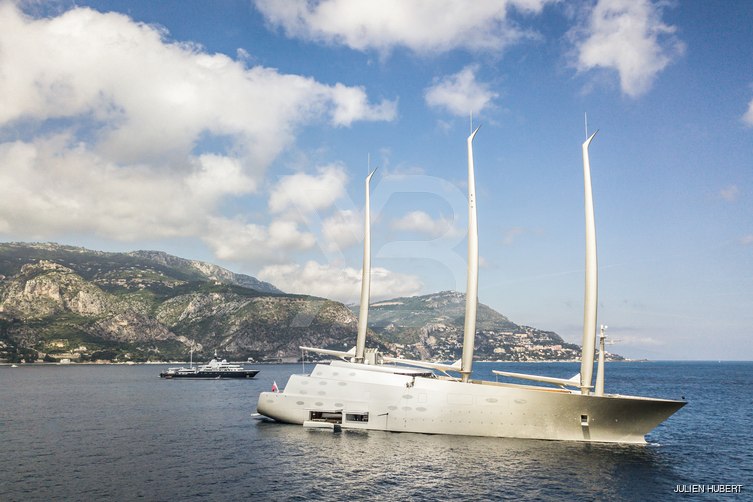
column 358, row 396
column 210, row 374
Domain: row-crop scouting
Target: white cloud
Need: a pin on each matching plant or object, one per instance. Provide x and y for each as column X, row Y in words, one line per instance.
column 157, row 98
column 51, row 187
column 748, row 117
column 435, row 26
column 307, row 193
column 343, row 229
column 421, row 222
column 286, row 235
column 237, row 240
column 128, row 135
column 342, row 284
column 627, row 36
column 729, row 193
column 460, row 93
column 747, row 240
column 218, row 175
column 351, row 104
column 240, row 241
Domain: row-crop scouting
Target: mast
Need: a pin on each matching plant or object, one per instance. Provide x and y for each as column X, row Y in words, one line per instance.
column 599, row 389
column 363, row 313
column 592, row 279
column 471, row 291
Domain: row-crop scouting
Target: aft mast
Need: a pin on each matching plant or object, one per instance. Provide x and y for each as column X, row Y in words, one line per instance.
column 471, row 291
column 363, row 313
column 599, row 390
column 592, row 279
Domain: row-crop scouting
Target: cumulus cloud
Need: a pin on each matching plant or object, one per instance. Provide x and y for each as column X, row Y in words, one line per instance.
column 307, row 193
column 51, row 186
column 351, row 104
column 421, row 222
column 343, row 229
column 747, row 240
column 436, row 26
column 630, row 37
column 460, row 93
column 240, row 241
column 218, row 175
column 130, row 135
column 343, row 284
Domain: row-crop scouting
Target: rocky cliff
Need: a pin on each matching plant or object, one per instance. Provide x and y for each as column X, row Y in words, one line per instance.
column 63, row 302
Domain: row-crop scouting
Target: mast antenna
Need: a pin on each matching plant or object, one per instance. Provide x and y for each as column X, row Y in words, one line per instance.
column 585, row 114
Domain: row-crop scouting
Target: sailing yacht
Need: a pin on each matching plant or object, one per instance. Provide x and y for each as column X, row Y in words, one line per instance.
column 367, row 390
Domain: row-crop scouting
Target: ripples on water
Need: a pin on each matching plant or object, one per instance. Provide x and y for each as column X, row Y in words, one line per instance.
column 121, row 433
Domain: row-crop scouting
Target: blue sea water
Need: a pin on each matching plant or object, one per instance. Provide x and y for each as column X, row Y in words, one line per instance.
column 121, row 433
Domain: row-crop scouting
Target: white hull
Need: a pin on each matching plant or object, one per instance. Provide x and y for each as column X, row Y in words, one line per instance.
column 380, row 398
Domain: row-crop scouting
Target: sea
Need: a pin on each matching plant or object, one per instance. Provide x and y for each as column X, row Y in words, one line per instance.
column 117, row 432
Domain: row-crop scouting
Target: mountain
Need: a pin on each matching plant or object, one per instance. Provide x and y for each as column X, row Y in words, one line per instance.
column 431, row 327
column 93, row 265
column 207, row 270
column 62, row 302
column 66, row 302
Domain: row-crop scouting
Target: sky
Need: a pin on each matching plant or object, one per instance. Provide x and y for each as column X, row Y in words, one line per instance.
column 240, row 133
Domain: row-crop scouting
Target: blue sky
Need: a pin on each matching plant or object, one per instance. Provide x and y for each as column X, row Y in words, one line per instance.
column 238, row 132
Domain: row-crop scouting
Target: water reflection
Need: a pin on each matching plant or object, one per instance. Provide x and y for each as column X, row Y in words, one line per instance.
column 423, row 467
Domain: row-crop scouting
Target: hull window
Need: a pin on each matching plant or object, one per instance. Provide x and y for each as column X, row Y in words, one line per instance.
column 332, row 417
column 357, row 417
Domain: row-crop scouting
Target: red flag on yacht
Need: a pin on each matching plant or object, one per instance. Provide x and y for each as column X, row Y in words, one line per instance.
column 274, row 387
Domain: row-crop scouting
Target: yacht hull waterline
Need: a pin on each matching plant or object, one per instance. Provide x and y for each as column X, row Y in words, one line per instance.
column 390, row 398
